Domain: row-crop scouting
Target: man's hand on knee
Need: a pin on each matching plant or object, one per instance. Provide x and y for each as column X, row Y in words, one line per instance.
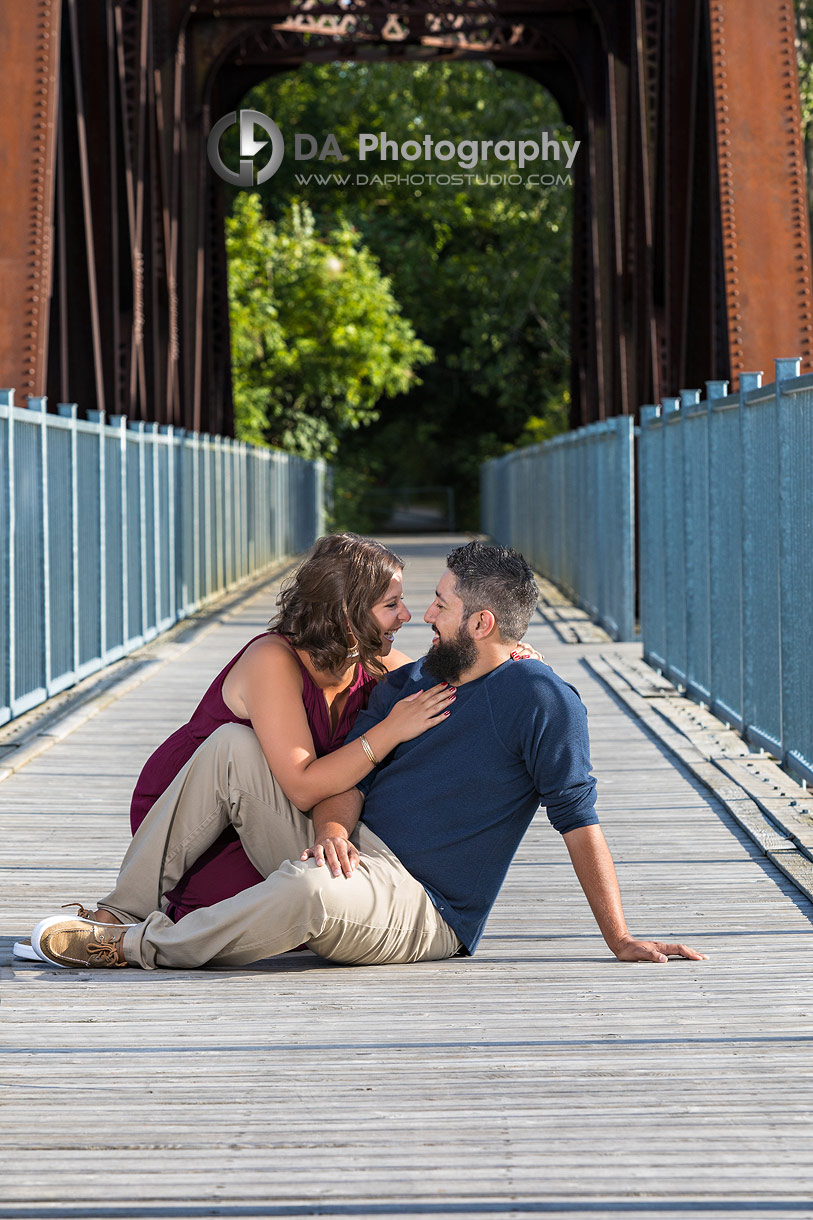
column 338, row 853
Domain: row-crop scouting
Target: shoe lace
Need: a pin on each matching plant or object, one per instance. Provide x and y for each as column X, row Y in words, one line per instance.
column 106, row 953
column 82, row 912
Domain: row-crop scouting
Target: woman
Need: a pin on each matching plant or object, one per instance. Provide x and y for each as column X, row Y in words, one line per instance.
column 300, row 686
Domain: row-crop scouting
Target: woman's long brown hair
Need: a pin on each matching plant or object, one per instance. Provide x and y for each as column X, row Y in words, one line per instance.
column 331, row 594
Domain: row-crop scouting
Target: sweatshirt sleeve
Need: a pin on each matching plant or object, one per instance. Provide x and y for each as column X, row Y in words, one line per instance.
column 547, row 724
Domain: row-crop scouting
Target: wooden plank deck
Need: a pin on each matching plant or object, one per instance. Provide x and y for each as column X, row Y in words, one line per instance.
column 540, row 1077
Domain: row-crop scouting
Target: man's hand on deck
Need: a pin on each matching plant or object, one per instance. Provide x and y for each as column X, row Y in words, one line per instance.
column 594, row 867
column 632, row 950
column 339, row 854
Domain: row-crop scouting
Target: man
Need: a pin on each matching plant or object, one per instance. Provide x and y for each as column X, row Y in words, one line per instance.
column 417, row 853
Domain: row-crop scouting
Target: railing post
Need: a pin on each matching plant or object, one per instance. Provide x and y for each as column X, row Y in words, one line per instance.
column 714, row 390
column 651, row 599
column 208, row 514
column 245, row 508
column 120, row 422
column 40, row 404
column 168, row 431
column 149, row 433
column 99, row 418
column 70, row 410
column 748, row 382
column 219, row 516
column 233, row 452
column 182, row 555
column 794, row 688
column 223, row 500
column 197, row 581
column 140, row 429
column 625, row 429
column 7, row 399
column 157, row 450
column 275, row 499
column 674, row 544
column 695, row 547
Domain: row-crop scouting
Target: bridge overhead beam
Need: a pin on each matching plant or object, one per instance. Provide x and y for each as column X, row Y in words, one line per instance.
column 690, row 209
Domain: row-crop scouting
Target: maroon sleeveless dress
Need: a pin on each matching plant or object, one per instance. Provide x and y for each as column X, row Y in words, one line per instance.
column 224, row 869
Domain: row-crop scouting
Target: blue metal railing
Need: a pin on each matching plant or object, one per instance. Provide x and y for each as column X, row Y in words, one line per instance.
column 567, row 504
column 726, row 554
column 111, row 533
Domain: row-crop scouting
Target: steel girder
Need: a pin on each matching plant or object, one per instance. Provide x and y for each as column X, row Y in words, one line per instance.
column 29, row 37
column 689, row 195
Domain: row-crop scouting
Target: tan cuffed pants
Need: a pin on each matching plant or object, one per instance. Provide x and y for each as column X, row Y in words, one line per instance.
column 379, row 914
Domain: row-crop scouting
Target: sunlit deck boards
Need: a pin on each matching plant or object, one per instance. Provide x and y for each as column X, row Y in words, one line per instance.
column 540, row 1077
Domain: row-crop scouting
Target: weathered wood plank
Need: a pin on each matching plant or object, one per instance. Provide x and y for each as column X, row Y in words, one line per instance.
column 541, row 1076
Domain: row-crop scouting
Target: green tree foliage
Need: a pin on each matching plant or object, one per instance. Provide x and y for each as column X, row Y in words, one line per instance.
column 804, row 47
column 482, row 271
column 317, row 337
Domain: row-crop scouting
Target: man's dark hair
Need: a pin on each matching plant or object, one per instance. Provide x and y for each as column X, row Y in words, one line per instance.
column 498, row 579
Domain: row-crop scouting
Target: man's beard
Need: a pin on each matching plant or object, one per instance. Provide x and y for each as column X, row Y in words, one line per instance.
column 447, row 660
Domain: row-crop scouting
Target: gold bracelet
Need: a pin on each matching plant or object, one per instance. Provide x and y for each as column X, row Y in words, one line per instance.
column 368, row 750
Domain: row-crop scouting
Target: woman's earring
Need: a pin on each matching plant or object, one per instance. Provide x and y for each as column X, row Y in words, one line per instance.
column 354, row 654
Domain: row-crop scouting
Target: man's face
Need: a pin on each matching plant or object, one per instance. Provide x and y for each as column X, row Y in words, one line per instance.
column 453, row 650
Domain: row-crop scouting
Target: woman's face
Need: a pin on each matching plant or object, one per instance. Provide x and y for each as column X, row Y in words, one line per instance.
column 390, row 613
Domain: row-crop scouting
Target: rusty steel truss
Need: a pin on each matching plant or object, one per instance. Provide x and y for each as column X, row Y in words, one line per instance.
column 691, row 250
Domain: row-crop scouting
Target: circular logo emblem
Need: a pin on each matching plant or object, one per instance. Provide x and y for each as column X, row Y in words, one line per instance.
column 249, row 147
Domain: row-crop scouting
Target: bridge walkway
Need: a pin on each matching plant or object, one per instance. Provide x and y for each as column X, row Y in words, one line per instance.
column 539, row 1077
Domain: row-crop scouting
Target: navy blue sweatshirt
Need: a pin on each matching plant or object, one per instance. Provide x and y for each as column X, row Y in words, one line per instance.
column 454, row 803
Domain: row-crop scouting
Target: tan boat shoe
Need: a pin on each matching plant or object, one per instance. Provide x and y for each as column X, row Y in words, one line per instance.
column 76, row 943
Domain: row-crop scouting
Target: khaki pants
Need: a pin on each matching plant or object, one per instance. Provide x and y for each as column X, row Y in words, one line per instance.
column 379, row 914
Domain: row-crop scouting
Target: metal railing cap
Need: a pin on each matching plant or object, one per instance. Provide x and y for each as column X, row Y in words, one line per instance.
column 690, row 402
column 787, row 367
column 749, row 382
column 715, row 390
